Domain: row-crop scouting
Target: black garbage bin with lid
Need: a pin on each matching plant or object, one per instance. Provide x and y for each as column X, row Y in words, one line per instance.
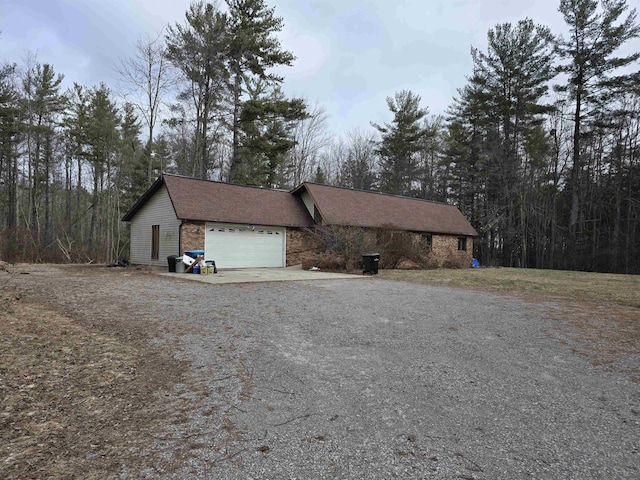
column 171, row 259
column 370, row 263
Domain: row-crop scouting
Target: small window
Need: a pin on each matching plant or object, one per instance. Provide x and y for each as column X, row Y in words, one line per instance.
column 232, row 229
column 221, row 229
column 155, row 242
column 270, row 233
column 462, row 244
column 260, row 231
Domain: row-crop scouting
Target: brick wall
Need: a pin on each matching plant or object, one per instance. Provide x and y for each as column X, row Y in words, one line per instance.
column 192, row 236
column 445, row 254
column 302, row 246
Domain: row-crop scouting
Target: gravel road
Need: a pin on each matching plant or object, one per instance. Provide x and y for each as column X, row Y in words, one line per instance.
column 368, row 379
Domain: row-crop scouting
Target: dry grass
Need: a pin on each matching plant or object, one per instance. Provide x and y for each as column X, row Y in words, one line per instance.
column 600, row 287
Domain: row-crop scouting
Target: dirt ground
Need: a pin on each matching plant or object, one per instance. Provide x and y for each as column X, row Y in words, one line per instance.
column 85, row 386
column 75, row 390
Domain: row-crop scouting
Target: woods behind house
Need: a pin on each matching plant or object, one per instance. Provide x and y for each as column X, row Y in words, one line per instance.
column 539, row 149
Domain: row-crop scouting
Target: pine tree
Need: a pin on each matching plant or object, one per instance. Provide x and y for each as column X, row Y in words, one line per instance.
column 266, row 135
column 133, row 168
column 400, row 142
column 10, row 131
column 596, row 34
column 508, row 86
column 103, row 140
column 45, row 104
column 253, row 49
column 199, row 49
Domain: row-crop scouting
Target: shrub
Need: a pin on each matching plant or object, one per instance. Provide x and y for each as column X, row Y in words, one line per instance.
column 347, row 244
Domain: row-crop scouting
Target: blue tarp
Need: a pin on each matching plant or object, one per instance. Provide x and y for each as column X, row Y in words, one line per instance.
column 475, row 263
column 194, row 253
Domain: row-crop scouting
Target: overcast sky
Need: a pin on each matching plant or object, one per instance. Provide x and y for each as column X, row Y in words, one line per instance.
column 351, row 54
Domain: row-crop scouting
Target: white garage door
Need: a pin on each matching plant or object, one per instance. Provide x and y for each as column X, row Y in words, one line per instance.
column 244, row 246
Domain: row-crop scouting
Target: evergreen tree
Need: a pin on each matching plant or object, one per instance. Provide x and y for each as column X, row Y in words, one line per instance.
column 103, row 140
column 253, row 49
column 133, row 168
column 400, row 142
column 44, row 103
column 507, row 90
column 10, row 130
column 596, row 34
column 431, row 164
column 199, row 49
column 266, row 127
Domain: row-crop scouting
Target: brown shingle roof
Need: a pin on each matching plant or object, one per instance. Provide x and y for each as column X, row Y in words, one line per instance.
column 207, row 201
column 203, row 200
column 342, row 206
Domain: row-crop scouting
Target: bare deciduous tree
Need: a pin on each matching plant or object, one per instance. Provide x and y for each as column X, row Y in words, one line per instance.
column 146, row 77
column 311, row 137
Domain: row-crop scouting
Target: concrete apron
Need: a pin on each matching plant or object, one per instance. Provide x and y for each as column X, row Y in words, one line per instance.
column 249, row 275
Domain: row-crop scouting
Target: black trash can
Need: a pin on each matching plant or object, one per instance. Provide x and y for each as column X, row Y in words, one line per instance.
column 370, row 263
column 171, row 259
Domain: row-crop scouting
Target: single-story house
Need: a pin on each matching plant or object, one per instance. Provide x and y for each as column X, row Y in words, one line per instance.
column 243, row 226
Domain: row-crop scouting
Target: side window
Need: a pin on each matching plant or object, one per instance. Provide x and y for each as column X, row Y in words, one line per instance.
column 427, row 240
column 462, row 244
column 155, row 242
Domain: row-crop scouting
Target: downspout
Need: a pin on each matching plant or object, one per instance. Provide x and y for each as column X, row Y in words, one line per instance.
column 180, row 238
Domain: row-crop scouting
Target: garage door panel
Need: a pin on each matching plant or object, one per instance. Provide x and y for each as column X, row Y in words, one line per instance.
column 240, row 246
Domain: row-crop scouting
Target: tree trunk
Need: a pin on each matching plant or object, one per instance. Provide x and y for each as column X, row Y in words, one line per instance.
column 235, row 159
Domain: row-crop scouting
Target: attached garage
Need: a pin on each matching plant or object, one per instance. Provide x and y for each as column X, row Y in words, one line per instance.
column 245, row 246
column 236, row 226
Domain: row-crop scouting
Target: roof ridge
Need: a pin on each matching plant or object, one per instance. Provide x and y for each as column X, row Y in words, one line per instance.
column 374, row 192
column 264, row 189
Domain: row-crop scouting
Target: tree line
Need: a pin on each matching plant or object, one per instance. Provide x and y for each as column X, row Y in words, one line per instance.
column 539, row 149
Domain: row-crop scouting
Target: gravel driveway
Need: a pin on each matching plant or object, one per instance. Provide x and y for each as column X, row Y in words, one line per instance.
column 372, row 379
column 368, row 379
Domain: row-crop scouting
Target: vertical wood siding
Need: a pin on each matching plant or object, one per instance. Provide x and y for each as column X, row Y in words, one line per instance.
column 157, row 211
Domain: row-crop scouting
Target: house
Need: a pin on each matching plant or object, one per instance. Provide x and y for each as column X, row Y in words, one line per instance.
column 243, row 226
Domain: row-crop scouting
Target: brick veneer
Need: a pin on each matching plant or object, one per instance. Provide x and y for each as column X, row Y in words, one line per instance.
column 302, row 246
column 191, row 237
column 444, row 252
